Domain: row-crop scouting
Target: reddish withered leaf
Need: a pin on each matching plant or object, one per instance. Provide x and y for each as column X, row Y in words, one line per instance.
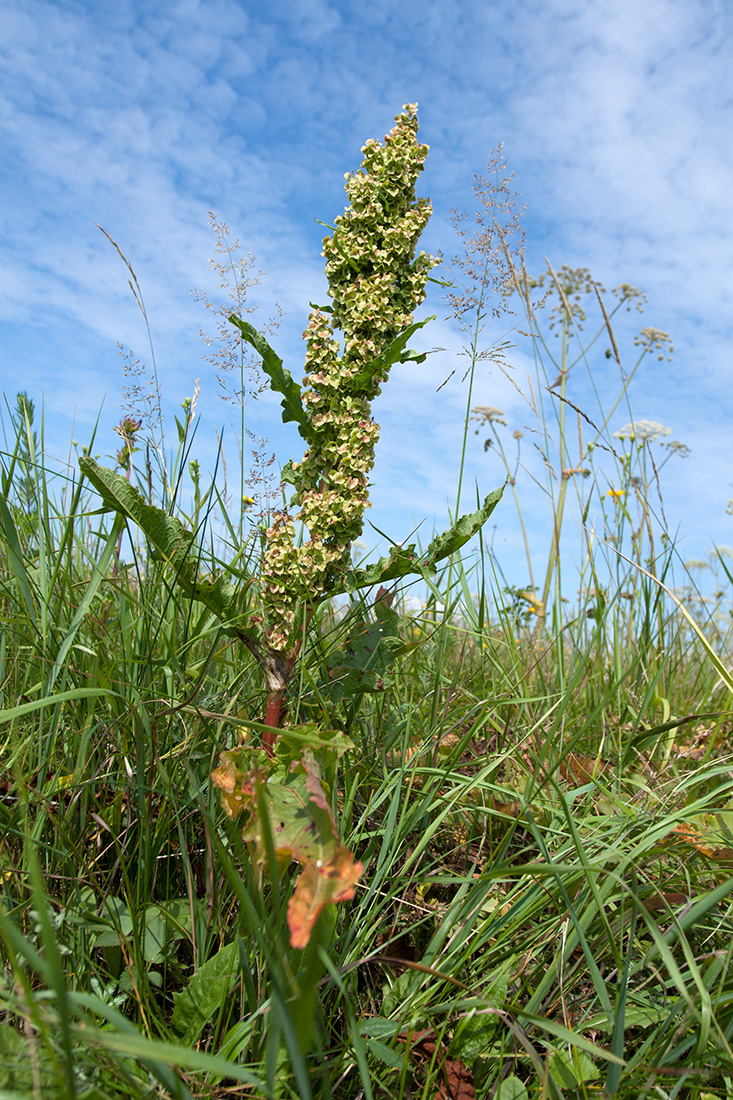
column 285, row 797
column 458, row 1084
column 318, row 887
column 236, row 788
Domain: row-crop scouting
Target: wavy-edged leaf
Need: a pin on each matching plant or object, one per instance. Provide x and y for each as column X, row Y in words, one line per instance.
column 396, row 352
column 281, row 379
column 167, row 536
column 286, row 803
column 404, row 560
column 462, row 530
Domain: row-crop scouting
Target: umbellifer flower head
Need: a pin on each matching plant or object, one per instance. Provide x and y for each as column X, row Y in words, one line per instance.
column 642, row 431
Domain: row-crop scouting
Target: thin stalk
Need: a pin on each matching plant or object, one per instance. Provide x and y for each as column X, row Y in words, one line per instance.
column 564, row 465
column 474, row 353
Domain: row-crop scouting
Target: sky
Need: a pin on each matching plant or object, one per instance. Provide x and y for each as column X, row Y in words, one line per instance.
column 141, row 117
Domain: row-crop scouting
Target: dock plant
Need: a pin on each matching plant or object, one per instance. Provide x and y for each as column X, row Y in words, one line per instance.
column 375, row 282
column 531, row 803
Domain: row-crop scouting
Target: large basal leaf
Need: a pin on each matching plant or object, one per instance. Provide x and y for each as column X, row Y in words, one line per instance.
column 404, row 560
column 281, row 379
column 167, row 536
column 207, row 990
column 288, row 802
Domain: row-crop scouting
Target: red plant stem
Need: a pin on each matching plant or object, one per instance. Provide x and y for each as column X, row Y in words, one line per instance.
column 272, row 718
column 277, row 675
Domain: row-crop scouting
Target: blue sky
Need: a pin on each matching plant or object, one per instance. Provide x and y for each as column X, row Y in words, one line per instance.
column 616, row 121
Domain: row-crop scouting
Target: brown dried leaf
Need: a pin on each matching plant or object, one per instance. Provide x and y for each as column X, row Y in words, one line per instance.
column 457, row 1079
column 582, row 769
column 691, row 835
column 458, row 1084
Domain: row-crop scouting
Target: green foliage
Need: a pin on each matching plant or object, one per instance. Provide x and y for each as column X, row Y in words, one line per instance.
column 532, row 815
column 512, row 877
column 281, row 380
column 207, row 989
column 404, row 561
column 168, row 538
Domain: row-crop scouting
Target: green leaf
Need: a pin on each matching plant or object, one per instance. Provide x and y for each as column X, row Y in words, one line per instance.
column 637, row 1015
column 473, row 1039
column 325, row 746
column 398, row 998
column 473, row 1035
column 378, row 1027
column 152, row 925
column 396, row 352
column 167, row 536
column 462, row 530
column 289, row 474
column 404, row 560
column 207, row 990
column 385, row 1054
column 572, row 1068
column 511, row 1088
column 155, row 935
column 363, row 662
column 281, row 379
column 17, row 1070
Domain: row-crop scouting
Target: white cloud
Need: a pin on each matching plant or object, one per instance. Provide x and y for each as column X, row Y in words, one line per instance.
column 141, row 119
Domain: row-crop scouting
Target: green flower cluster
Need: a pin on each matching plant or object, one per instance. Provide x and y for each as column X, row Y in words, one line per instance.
column 375, row 282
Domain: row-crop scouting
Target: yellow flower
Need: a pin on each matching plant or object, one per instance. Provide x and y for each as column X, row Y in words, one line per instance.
column 615, row 493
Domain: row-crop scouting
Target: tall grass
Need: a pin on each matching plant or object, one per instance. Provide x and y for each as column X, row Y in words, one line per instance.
column 540, row 795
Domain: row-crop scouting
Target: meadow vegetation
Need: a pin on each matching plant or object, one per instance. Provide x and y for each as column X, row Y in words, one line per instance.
column 275, row 823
